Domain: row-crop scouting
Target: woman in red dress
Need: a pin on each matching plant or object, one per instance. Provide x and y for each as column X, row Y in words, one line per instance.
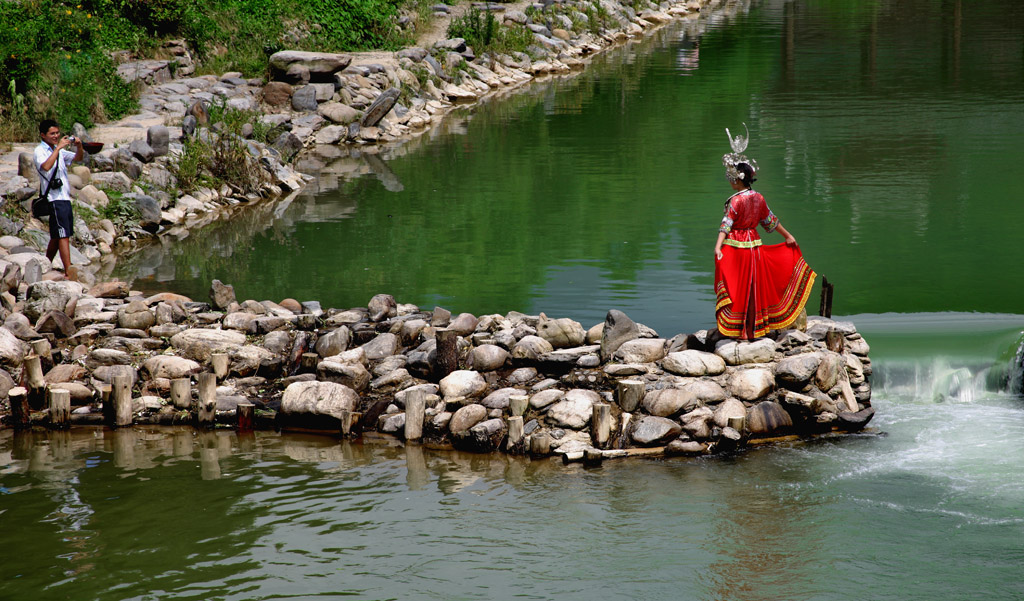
column 758, row 288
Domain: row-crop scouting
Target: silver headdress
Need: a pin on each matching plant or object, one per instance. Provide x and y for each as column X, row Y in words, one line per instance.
column 730, row 160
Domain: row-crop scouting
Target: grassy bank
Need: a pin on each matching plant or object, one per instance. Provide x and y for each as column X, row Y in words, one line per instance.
column 55, row 57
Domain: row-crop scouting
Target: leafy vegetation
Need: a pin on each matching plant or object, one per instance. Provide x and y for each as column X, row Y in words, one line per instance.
column 220, row 155
column 55, row 56
column 484, row 33
column 119, row 210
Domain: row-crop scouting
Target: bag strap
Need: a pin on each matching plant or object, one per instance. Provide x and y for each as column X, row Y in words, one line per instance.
column 56, row 165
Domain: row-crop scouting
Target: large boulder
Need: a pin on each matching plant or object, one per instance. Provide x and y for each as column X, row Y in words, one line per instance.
column 462, row 383
column 45, row 296
column 221, row 295
column 321, row 65
column 318, row 399
column 199, row 343
column 349, row 373
column 530, row 348
column 384, row 345
column 670, row 401
column 618, row 328
column 487, row 357
column 768, row 418
column 169, row 366
column 381, row 106
column 561, row 333
column 12, row 350
column 467, row 417
column 641, row 350
column 751, row 384
column 693, row 363
column 575, row 409
column 728, row 409
column 334, row 343
column 797, row 370
column 740, row 353
column 652, row 430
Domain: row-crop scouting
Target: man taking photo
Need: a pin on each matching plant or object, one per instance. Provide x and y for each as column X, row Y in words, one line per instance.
column 52, row 160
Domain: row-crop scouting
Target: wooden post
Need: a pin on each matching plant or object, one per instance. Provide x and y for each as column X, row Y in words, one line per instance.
column 207, row 413
column 34, row 382
column 43, row 349
column 540, row 444
column 60, row 408
column 181, row 393
column 601, row 424
column 827, row 289
column 593, row 456
column 120, row 413
column 415, row 406
column 220, row 362
column 515, row 433
column 517, row 404
column 737, row 423
column 629, row 394
column 246, row 415
column 350, row 423
column 20, row 413
column 308, row 363
column 447, row 352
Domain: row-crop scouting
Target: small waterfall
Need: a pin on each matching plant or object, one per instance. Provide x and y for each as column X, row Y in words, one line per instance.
column 935, row 380
column 1015, row 377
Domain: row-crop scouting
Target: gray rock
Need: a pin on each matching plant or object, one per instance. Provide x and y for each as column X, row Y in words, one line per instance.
column 249, row 360
column 546, row 398
column 297, row 74
column 149, row 212
column 334, row 343
column 169, row 366
column 483, row 437
column 384, row 345
column 467, row 417
column 159, row 138
column 728, row 409
column 113, row 180
column 45, row 296
column 12, row 350
column 499, row 398
column 136, row 316
column 188, row 126
column 462, row 383
column 522, row 375
column 304, row 99
column 618, row 329
column 382, row 306
column 768, row 418
column 199, row 343
column 338, row 113
column 381, row 106
column 798, row 369
column 318, row 63
column 575, row 409
column 487, row 357
column 652, row 430
column 827, row 374
column 641, row 350
column 741, row 353
column 318, row 398
column 142, row 151
column 464, row 324
column 670, row 401
column 351, row 374
column 751, row 384
column 414, row 53
column 694, row 363
column 221, row 295
column 561, row 333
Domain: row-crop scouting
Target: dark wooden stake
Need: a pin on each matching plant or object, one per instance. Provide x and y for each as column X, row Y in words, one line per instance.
column 20, row 414
column 827, row 289
column 447, row 353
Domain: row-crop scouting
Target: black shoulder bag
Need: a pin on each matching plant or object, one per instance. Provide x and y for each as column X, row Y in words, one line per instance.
column 41, row 205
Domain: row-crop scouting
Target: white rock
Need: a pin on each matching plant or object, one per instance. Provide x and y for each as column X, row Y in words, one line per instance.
column 694, row 363
column 462, row 383
column 575, row 409
column 751, row 384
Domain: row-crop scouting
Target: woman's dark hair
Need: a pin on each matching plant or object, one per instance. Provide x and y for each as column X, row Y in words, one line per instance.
column 748, row 173
column 46, row 124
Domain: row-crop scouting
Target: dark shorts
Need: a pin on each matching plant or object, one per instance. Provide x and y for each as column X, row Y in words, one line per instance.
column 62, row 222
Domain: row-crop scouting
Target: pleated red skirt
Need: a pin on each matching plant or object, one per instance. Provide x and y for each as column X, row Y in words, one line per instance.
column 760, row 289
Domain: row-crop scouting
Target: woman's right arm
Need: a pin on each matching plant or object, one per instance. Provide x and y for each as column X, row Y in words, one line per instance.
column 718, row 246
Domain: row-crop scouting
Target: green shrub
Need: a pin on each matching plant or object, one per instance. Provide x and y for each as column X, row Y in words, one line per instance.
column 484, row 33
column 119, row 210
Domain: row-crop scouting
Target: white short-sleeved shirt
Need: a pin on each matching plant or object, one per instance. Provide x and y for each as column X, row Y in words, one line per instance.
column 43, row 152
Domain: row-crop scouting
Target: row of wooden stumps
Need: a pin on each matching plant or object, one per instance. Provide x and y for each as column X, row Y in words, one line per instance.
column 36, row 394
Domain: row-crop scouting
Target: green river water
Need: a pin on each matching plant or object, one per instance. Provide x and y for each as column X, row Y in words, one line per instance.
column 888, row 134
